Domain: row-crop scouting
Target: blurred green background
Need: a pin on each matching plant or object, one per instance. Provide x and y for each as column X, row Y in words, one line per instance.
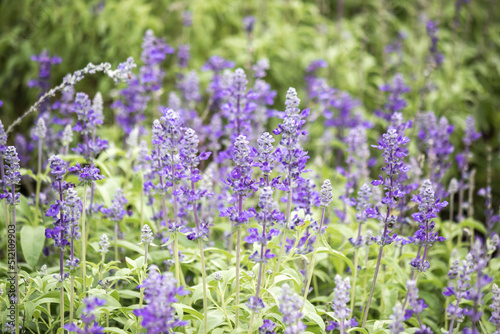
column 349, row 35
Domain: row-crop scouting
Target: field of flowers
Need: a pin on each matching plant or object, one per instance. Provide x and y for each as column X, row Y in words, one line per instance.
column 276, row 167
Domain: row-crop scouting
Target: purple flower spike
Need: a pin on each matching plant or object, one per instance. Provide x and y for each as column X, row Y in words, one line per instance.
column 289, row 305
column 160, row 293
column 90, row 325
column 267, row 327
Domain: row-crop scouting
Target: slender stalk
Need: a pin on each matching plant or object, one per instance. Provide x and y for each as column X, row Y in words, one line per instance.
column 238, row 255
column 71, row 298
column 203, row 270
column 38, row 181
column 452, row 197
column 311, row 269
column 142, row 199
column 116, row 241
column 354, row 278
column 365, row 317
column 141, row 298
column 176, row 237
column 16, row 278
column 84, row 242
column 285, row 230
column 61, row 263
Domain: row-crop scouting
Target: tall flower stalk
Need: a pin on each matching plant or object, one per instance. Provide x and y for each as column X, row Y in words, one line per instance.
column 255, row 303
column 290, row 154
column 12, row 178
column 240, row 180
column 392, row 145
column 190, row 159
column 41, row 133
column 61, row 229
column 325, row 199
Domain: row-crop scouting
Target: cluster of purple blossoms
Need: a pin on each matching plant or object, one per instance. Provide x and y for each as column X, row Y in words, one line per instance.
column 61, row 231
column 435, row 57
column 239, row 107
column 267, row 327
column 289, row 305
column 340, row 309
column 135, row 97
column 392, row 144
column 72, row 211
column 425, row 236
column 495, row 308
column 45, row 62
column 397, row 318
column 475, row 293
column 218, row 87
column 435, row 135
column 395, row 100
column 265, row 218
column 116, row 211
column 190, row 159
column 160, row 293
column 88, row 120
column 290, row 154
column 12, row 176
column 417, row 306
column 248, row 24
column 362, row 204
column 90, row 326
column 459, row 283
column 241, row 182
column 87, row 174
column 183, row 56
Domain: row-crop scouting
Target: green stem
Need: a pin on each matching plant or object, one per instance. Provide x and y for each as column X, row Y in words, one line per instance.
column 224, row 306
column 116, row 241
column 250, row 327
column 142, row 199
column 71, row 298
column 204, row 282
column 311, row 268
column 84, row 242
column 38, row 181
column 354, row 278
column 283, row 239
column 238, row 251
column 61, row 306
column 367, row 309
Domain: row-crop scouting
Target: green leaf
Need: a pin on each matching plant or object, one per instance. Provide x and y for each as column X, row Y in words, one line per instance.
column 32, row 240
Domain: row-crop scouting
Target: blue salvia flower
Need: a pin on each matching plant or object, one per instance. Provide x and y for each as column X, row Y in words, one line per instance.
column 265, row 157
column 183, row 56
column 40, row 129
column 72, row 212
column 267, row 327
column 154, row 52
column 340, row 309
column 290, row 304
column 146, row 235
column 104, row 244
column 459, row 283
column 363, row 203
column 392, row 144
column 189, row 86
column 425, row 237
column 397, row 319
column 248, row 24
column 90, row 326
column 291, row 155
column 475, row 293
column 116, row 211
column 417, row 306
column 239, row 107
column 495, row 308
column 395, row 100
column 160, row 293
column 12, row 175
column 435, row 57
column 240, row 180
column 261, row 67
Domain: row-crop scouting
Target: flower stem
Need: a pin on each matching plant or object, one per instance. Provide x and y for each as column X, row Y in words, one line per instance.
column 367, row 309
column 71, row 298
column 38, row 181
column 311, row 268
column 354, row 278
column 116, row 241
column 204, row 282
column 84, row 242
column 238, row 251
column 16, row 278
column 283, row 239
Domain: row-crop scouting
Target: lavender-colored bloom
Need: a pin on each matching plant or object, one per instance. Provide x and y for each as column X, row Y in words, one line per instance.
column 72, row 208
column 435, row 57
column 87, row 118
column 397, row 319
column 460, row 278
column 146, row 235
column 183, row 56
column 40, row 129
column 45, row 62
column 325, row 195
column 12, row 176
column 267, row 327
column 142, row 161
column 90, row 325
column 289, row 305
column 495, row 308
column 240, row 178
column 261, row 67
column 116, row 212
column 217, row 64
column 239, row 108
column 87, row 174
column 104, row 244
column 160, row 293
column 187, row 18
column 248, row 24
column 255, row 304
column 98, row 108
column 475, row 293
column 291, row 155
column 340, row 301
column 265, row 157
column 67, row 135
column 392, row 144
column 154, row 52
column 425, row 237
column 395, row 100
